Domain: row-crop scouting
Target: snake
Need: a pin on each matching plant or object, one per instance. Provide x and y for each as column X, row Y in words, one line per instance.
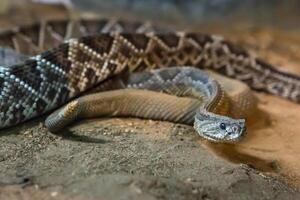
column 213, row 111
column 60, row 60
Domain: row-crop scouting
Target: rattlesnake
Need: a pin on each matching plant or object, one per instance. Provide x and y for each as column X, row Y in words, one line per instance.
column 71, row 57
column 213, row 112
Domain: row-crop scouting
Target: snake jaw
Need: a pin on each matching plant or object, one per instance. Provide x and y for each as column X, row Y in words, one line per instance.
column 217, row 128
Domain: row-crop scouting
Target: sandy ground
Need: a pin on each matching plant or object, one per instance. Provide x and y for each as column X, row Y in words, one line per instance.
column 127, row 159
column 142, row 159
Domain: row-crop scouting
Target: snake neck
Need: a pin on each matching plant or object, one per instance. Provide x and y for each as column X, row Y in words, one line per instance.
column 236, row 106
column 219, row 101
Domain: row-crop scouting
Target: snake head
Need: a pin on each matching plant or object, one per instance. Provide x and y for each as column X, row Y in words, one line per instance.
column 219, row 128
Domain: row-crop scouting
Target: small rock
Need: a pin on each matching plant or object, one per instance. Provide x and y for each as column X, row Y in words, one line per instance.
column 54, row 194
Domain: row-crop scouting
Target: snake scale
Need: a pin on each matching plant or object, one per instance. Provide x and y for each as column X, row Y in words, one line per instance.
column 71, row 57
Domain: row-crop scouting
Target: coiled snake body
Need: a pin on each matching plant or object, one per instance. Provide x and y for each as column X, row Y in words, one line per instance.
column 73, row 57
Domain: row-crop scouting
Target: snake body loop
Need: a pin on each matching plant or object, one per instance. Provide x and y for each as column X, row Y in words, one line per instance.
column 208, row 106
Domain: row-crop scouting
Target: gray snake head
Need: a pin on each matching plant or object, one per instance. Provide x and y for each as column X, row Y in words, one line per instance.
column 219, row 128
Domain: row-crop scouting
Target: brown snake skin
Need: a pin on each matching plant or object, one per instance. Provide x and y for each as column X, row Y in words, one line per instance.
column 63, row 68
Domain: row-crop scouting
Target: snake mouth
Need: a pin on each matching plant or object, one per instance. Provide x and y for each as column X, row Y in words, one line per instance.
column 219, row 140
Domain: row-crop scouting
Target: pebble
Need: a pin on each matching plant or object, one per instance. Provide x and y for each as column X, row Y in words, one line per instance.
column 54, row 194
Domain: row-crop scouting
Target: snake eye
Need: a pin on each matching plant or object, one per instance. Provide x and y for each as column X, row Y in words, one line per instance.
column 222, row 126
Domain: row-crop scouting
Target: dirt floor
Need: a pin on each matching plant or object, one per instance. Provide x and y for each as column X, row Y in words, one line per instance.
column 144, row 159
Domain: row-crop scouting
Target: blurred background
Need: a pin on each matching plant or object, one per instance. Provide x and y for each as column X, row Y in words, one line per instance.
column 275, row 13
column 271, row 12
